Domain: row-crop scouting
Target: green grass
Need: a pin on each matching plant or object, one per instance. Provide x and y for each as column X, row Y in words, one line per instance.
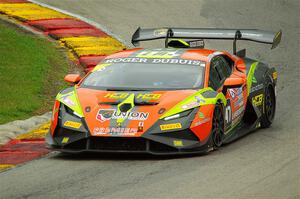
column 31, row 72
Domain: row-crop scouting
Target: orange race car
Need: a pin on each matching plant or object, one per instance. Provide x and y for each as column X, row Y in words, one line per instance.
column 175, row 100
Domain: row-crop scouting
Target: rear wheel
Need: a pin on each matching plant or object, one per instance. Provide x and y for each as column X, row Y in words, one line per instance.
column 217, row 134
column 269, row 107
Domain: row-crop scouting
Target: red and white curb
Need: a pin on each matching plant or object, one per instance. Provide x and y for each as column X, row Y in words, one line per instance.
column 87, row 42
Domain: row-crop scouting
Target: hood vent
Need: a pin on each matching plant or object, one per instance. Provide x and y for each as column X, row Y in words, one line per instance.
column 125, row 107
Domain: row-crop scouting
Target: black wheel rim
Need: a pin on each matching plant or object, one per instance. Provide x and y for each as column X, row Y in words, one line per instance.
column 270, row 105
column 218, row 127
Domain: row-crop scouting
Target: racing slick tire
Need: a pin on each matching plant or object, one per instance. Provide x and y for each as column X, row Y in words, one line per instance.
column 217, row 130
column 269, row 107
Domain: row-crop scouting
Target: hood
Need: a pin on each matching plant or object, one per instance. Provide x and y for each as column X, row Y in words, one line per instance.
column 126, row 112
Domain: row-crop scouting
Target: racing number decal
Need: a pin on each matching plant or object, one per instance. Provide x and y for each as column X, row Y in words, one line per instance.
column 228, row 115
column 159, row 54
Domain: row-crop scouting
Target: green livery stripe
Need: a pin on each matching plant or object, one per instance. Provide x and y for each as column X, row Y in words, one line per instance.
column 128, row 100
column 100, row 67
column 251, row 75
column 71, row 100
column 181, row 41
column 192, row 99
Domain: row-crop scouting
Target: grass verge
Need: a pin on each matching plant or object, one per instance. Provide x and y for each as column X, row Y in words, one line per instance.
column 31, row 73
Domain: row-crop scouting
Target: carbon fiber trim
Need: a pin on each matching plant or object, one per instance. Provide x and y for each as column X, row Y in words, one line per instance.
column 124, row 145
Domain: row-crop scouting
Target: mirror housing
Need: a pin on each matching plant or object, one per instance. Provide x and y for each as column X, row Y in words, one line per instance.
column 234, row 82
column 241, row 53
column 72, row 78
column 241, row 67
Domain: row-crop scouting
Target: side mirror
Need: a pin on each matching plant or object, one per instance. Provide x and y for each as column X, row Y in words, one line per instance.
column 234, row 82
column 241, row 67
column 73, row 78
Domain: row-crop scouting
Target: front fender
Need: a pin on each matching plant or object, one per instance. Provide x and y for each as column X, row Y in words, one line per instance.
column 206, row 96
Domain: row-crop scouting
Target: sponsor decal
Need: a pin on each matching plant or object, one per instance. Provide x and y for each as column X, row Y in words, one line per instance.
column 115, row 131
column 142, row 96
column 236, row 95
column 148, row 96
column 239, row 102
column 160, row 32
column 235, row 92
column 194, row 103
column 141, row 127
column 238, row 112
column 274, row 75
column 65, row 140
column 228, row 114
column 116, row 95
column 190, row 105
column 108, row 114
column 159, row 53
column 126, row 60
column 196, row 44
column 158, row 60
column 202, row 121
column 66, row 99
column 75, row 125
column 105, row 114
column 201, row 115
column 257, row 125
column 256, row 88
column 231, row 93
column 177, row 143
column 165, row 127
column 258, row 100
column 254, row 80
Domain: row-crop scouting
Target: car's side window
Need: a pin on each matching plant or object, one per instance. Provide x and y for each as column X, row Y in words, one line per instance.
column 220, row 69
column 226, row 65
column 214, row 77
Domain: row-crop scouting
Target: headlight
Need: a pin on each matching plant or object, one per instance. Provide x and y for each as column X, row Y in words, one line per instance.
column 70, row 111
column 178, row 115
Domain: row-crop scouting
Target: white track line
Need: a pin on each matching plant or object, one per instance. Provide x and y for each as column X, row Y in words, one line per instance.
column 97, row 25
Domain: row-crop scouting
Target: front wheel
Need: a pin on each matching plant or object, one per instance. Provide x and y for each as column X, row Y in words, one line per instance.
column 217, row 134
column 269, row 107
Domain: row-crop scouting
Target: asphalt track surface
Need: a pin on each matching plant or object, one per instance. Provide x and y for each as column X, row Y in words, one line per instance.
column 264, row 164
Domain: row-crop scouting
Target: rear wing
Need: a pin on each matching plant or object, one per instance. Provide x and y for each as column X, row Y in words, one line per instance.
column 261, row 36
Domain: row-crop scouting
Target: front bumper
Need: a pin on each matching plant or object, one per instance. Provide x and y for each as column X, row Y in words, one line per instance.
column 123, row 145
column 154, row 141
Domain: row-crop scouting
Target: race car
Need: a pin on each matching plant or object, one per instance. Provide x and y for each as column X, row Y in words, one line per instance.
column 174, row 100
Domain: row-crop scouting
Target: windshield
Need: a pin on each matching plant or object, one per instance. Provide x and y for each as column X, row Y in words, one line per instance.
column 149, row 75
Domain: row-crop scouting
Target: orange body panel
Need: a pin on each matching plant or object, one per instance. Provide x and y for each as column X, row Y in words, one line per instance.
column 202, row 123
column 197, row 54
column 54, row 118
